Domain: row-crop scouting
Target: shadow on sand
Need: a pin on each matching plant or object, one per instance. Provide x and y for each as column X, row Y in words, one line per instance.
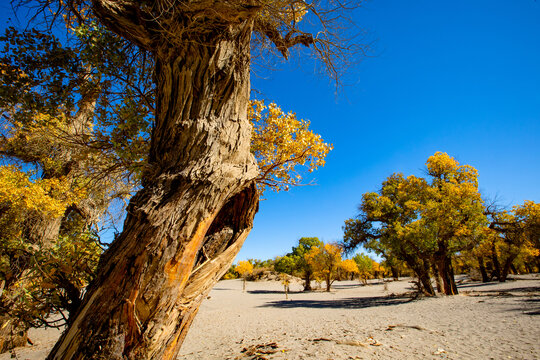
column 348, row 303
column 528, row 306
column 347, row 286
column 526, row 298
column 529, row 290
column 271, row 292
column 477, row 284
column 531, row 306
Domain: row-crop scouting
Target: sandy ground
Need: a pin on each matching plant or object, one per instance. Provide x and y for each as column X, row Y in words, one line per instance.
column 486, row 321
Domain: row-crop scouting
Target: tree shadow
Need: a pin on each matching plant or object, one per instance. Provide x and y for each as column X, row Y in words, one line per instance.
column 510, row 290
column 477, row 284
column 347, row 303
column 223, row 288
column 273, row 292
column 534, row 303
column 529, row 306
column 527, row 298
column 349, row 286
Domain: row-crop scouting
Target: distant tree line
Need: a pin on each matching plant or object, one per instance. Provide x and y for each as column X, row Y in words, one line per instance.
column 313, row 261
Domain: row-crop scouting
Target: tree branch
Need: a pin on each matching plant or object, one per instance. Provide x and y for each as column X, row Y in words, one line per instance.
column 127, row 19
column 283, row 43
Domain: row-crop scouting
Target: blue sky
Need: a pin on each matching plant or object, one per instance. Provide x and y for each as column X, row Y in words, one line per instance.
column 462, row 77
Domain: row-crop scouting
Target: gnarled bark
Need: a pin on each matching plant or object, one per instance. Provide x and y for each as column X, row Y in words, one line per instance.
column 444, row 264
column 186, row 225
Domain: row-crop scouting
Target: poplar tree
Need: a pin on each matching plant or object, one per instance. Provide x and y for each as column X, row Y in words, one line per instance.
column 198, row 191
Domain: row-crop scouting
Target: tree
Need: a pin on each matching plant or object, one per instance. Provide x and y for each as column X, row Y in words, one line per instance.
column 518, row 230
column 508, row 244
column 286, row 281
column 347, row 268
column 21, row 301
column 378, row 270
column 61, row 178
column 455, row 212
column 389, row 224
column 244, row 268
column 198, row 195
column 286, row 264
column 481, row 255
column 295, row 262
column 423, row 222
column 303, row 266
column 365, row 266
column 395, row 265
column 325, row 262
column 111, row 140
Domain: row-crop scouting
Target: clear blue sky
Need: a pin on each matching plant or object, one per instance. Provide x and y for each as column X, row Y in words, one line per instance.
column 462, row 77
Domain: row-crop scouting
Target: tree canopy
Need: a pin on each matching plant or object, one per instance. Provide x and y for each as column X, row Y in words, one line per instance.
column 422, row 221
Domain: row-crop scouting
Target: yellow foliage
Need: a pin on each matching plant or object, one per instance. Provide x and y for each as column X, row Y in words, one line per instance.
column 323, row 259
column 281, row 143
column 440, row 164
column 325, row 262
column 444, row 167
column 378, row 267
column 349, row 266
column 244, row 268
column 529, row 251
column 283, row 11
column 285, row 279
column 47, row 196
column 529, row 211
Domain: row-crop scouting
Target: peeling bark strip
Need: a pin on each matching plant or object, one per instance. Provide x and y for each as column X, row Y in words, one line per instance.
column 186, row 225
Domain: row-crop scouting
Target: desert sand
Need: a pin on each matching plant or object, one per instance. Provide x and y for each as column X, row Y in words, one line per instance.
column 353, row 321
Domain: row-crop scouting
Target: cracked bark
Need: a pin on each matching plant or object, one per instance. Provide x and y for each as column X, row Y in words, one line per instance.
column 186, row 225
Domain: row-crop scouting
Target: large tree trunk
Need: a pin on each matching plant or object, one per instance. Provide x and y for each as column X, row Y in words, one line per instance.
column 425, row 279
column 482, row 267
column 444, row 264
column 186, row 225
column 506, row 267
column 496, row 264
column 395, row 272
column 424, row 282
column 307, row 280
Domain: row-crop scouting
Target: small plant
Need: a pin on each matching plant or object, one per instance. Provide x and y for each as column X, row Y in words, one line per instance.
column 244, row 268
column 286, row 281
